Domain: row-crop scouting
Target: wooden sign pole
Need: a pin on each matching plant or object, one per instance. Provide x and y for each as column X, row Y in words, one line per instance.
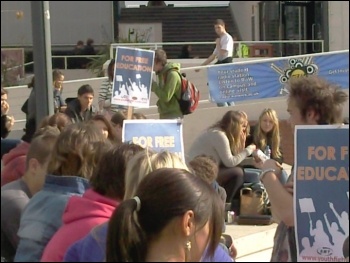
column 130, row 112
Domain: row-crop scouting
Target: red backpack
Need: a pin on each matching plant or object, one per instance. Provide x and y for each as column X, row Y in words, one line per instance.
column 189, row 98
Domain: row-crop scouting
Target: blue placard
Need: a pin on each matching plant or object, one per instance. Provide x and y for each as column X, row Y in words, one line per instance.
column 267, row 78
column 321, row 192
column 132, row 77
column 156, row 134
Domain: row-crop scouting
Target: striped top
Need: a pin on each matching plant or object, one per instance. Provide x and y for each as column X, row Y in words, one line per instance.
column 105, row 94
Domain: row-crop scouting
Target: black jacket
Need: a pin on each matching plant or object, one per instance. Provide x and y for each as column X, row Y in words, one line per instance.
column 73, row 111
column 4, row 131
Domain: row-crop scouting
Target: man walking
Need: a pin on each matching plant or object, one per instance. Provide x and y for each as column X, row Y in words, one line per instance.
column 167, row 87
column 223, row 50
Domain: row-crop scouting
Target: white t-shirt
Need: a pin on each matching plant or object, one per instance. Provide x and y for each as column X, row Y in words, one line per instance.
column 226, row 43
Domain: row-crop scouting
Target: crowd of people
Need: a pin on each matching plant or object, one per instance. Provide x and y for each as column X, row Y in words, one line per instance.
column 73, row 191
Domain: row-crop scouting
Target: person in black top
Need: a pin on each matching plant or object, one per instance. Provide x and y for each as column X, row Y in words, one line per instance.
column 81, row 108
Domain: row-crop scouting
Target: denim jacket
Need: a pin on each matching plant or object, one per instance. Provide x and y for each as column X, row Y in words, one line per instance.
column 92, row 248
column 42, row 217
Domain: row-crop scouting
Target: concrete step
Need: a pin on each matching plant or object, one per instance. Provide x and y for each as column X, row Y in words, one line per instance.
column 250, row 240
column 262, row 256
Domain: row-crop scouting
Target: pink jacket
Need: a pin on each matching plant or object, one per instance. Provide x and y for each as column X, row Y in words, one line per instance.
column 14, row 163
column 80, row 216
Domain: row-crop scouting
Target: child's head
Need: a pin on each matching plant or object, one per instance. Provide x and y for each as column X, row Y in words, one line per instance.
column 145, row 162
column 205, row 167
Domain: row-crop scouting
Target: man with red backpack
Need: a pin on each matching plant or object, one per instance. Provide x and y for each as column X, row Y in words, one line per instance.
column 176, row 95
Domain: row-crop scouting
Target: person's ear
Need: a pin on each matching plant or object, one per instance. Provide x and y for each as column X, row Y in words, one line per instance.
column 311, row 117
column 33, row 165
column 188, row 223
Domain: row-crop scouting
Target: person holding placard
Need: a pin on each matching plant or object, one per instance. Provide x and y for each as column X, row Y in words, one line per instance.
column 311, row 101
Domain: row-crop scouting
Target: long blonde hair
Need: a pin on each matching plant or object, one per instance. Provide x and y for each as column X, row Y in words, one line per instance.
column 231, row 125
column 145, row 162
column 260, row 137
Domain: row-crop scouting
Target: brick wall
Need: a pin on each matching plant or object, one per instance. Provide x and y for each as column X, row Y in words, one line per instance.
column 287, row 141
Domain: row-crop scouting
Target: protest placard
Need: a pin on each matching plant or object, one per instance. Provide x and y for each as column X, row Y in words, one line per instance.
column 156, row 134
column 321, row 192
column 266, row 78
column 132, row 77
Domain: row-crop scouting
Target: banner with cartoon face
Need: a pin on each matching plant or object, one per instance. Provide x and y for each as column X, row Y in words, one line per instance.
column 266, row 78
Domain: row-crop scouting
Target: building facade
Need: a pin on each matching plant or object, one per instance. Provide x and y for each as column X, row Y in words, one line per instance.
column 256, row 20
column 295, row 20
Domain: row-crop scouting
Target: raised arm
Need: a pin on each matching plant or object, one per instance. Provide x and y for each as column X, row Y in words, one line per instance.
column 312, row 231
column 222, row 147
column 327, row 222
column 281, row 200
column 331, row 206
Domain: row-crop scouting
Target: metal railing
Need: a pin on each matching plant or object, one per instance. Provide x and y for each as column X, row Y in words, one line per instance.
column 64, row 82
column 156, row 45
column 64, row 57
column 198, row 4
column 164, row 44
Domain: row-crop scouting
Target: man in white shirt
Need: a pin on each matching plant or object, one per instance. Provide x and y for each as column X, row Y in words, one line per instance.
column 223, row 50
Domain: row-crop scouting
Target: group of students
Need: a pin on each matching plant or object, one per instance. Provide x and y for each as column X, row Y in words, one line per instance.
column 68, row 205
column 83, row 197
column 234, row 145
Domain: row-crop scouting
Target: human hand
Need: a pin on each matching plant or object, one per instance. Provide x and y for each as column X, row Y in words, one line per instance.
column 272, row 164
column 256, row 156
column 233, row 251
column 5, row 107
column 258, row 164
column 289, row 187
column 331, row 206
column 250, row 149
column 243, row 136
column 63, row 108
column 10, row 121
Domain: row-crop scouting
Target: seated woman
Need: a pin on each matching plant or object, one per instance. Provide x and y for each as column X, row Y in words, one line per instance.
column 267, row 133
column 175, row 213
column 225, row 141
